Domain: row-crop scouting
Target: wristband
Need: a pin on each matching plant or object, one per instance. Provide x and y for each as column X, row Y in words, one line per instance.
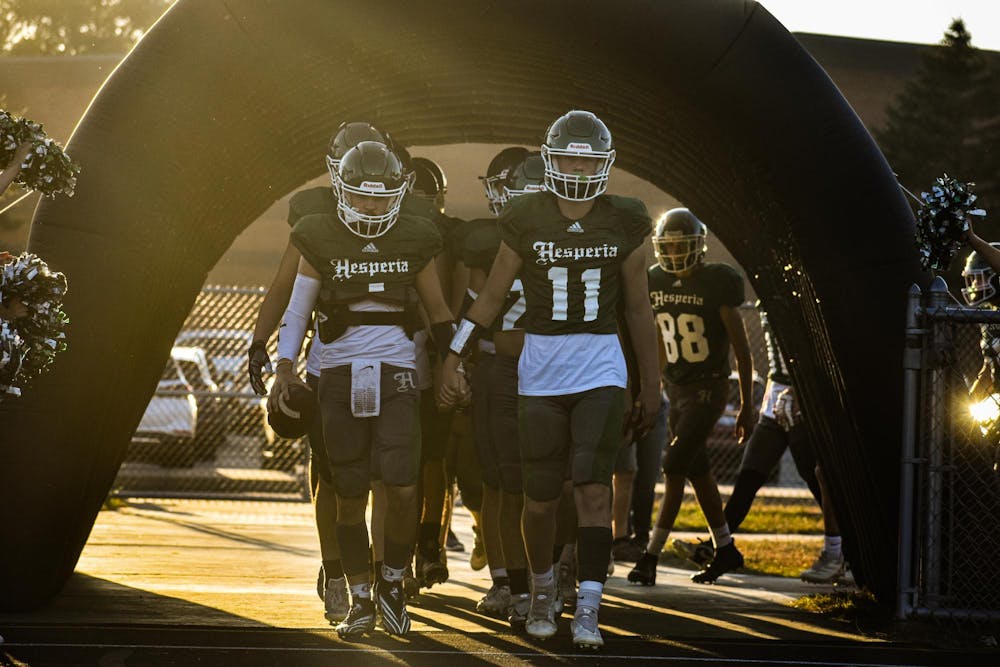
column 465, row 337
column 442, row 332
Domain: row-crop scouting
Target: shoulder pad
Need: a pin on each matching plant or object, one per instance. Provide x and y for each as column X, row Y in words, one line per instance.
column 318, row 200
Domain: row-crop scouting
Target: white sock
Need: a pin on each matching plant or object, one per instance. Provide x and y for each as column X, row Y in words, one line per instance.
column 657, row 540
column 589, row 595
column 544, row 580
column 391, row 573
column 361, row 590
column 832, row 545
column 721, row 536
column 497, row 573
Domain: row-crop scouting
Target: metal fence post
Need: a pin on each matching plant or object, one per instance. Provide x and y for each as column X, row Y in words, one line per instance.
column 912, row 365
column 936, row 419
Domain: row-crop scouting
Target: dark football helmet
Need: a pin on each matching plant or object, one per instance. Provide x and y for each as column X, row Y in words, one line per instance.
column 981, row 281
column 529, row 176
column 348, row 136
column 580, row 134
column 679, row 240
column 370, row 172
column 497, row 173
column 294, row 417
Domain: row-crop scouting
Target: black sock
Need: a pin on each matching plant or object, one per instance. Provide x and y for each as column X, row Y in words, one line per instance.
column 593, row 552
column 333, row 569
column 354, row 551
column 518, row 581
column 502, row 581
column 557, row 553
column 428, row 540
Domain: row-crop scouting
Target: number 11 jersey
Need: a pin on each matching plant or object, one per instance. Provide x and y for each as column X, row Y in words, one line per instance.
column 686, row 310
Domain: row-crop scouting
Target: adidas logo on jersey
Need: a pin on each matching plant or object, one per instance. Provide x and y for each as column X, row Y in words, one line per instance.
column 576, row 228
column 369, row 248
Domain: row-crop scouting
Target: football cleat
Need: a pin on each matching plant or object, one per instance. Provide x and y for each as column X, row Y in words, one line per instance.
column 625, row 550
column 392, row 608
column 360, row 619
column 477, row 559
column 644, row 571
column 453, row 543
column 567, row 586
column 495, row 602
column 336, row 600
column 433, row 571
column 586, row 633
column 541, row 621
column 826, row 569
column 410, row 584
column 321, row 583
column 700, row 553
column 727, row 559
column 517, row 613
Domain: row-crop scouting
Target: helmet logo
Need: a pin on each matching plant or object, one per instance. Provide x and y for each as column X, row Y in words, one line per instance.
column 579, row 147
column 372, row 186
column 287, row 409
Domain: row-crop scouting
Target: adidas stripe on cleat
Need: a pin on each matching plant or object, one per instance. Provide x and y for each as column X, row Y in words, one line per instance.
column 360, row 619
column 392, row 605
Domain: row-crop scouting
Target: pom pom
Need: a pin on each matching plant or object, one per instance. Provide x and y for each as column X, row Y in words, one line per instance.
column 944, row 217
column 47, row 168
column 29, row 344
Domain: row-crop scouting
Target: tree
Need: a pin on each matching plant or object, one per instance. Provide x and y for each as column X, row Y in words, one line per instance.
column 947, row 120
column 74, row 27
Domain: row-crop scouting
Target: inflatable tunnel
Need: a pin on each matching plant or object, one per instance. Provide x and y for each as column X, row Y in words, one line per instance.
column 225, row 106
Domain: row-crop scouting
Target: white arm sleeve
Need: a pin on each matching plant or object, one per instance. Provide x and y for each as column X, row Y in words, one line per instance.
column 296, row 319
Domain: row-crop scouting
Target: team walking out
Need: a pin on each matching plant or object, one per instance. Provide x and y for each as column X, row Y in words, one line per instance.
column 540, row 328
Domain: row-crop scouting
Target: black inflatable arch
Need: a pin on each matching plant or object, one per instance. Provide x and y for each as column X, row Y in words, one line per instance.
column 226, row 105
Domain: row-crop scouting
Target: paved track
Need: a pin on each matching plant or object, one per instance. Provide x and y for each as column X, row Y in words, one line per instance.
column 229, row 583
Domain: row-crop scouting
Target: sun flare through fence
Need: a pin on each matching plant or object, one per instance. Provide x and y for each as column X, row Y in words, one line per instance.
column 950, row 492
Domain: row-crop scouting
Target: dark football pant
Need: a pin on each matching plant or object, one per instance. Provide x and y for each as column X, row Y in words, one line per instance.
column 695, row 408
column 504, row 428
column 482, row 434
column 393, row 437
column 319, row 462
column 435, row 428
column 649, row 458
column 580, row 433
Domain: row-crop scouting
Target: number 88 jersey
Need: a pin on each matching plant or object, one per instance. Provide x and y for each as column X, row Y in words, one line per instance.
column 570, row 268
column 686, row 310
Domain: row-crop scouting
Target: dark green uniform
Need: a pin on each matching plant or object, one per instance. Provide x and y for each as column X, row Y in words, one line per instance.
column 571, row 268
column 354, row 269
column 571, row 277
column 697, row 345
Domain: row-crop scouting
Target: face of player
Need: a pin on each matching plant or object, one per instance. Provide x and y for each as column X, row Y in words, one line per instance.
column 578, row 164
column 368, row 204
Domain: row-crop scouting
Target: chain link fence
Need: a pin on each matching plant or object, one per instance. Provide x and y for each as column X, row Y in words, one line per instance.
column 950, row 482
column 205, row 433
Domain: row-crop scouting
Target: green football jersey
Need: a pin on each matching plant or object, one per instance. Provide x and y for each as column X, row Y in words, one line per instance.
column 571, row 268
column 358, row 268
column 311, row 201
column 480, row 243
column 686, row 310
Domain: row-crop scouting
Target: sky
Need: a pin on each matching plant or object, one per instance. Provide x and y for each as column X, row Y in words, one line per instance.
column 920, row 21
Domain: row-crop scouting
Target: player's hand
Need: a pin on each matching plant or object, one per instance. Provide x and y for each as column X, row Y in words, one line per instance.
column 454, row 390
column 786, row 409
column 283, row 379
column 257, row 362
column 644, row 413
column 744, row 424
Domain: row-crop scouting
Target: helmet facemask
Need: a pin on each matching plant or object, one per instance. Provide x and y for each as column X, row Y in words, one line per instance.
column 333, row 166
column 980, row 286
column 572, row 186
column 676, row 254
column 495, row 194
column 370, row 172
column 366, row 225
column 527, row 177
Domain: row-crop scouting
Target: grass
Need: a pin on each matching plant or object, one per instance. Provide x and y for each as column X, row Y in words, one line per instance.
column 785, row 557
column 797, row 519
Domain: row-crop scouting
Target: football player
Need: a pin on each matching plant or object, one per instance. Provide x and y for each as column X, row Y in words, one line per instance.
column 494, row 397
column 696, row 308
column 331, row 585
column 577, row 252
column 359, row 271
column 779, row 428
column 982, row 289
